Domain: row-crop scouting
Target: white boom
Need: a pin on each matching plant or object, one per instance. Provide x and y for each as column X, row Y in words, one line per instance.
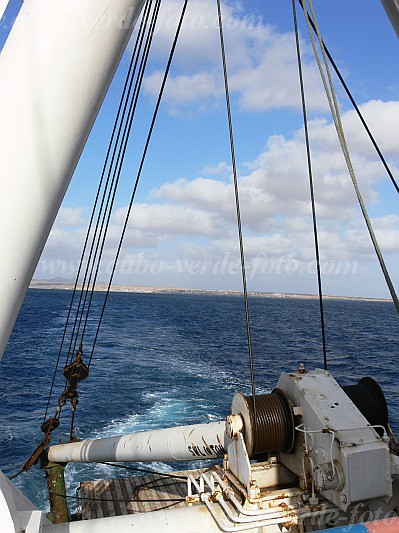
column 55, row 69
column 182, row 443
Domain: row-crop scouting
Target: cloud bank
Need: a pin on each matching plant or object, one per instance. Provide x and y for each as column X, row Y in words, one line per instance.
column 185, row 232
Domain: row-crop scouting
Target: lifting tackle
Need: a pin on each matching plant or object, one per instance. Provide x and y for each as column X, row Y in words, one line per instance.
column 47, row 427
column 74, row 373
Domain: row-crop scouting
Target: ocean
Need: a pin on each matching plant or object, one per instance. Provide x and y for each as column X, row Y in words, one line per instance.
column 176, row 359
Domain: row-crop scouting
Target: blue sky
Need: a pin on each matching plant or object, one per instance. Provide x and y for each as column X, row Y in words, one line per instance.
column 182, row 231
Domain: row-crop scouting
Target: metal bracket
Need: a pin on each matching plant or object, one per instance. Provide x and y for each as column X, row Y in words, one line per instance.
column 239, row 463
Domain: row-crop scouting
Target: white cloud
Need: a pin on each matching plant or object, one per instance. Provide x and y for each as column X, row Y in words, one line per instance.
column 262, row 62
column 170, row 220
column 387, row 231
column 220, row 169
column 183, row 90
column 271, row 81
column 70, row 216
column 206, row 193
column 382, row 119
column 278, row 185
column 67, row 235
column 193, row 219
column 274, row 197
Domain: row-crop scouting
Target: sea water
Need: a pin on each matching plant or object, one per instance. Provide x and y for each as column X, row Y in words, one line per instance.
column 175, row 359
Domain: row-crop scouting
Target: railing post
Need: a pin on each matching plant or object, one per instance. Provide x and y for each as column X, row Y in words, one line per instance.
column 57, row 493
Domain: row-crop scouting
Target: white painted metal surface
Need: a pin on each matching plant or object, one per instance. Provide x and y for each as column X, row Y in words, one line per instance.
column 182, row 443
column 3, row 7
column 239, row 463
column 335, row 441
column 8, row 512
column 55, row 69
column 194, row 519
column 392, row 9
column 17, row 513
column 52, row 82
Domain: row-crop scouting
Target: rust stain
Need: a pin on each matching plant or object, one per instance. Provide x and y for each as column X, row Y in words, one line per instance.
column 282, row 496
column 276, row 505
column 319, row 507
column 293, row 522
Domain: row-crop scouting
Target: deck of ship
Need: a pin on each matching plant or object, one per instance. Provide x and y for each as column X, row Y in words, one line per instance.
column 138, row 494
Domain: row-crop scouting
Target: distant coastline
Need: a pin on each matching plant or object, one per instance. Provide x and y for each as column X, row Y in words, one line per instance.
column 67, row 286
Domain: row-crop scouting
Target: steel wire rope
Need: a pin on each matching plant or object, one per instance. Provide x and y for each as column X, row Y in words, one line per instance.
column 99, row 228
column 237, row 204
column 145, row 470
column 115, row 180
column 121, row 157
column 114, row 185
column 333, row 103
column 355, row 106
column 159, row 500
column 90, row 226
column 16, row 474
column 109, row 173
column 311, row 185
column 163, row 84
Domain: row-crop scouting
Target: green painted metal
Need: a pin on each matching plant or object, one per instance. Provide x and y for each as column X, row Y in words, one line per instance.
column 57, row 493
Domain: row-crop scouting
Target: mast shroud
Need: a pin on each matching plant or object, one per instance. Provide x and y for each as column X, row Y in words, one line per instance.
column 55, row 70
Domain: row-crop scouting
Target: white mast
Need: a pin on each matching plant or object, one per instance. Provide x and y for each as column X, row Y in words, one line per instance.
column 392, row 9
column 3, row 7
column 55, row 69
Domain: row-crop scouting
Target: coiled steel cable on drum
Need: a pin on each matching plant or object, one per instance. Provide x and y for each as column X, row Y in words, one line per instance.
column 369, row 398
column 272, row 428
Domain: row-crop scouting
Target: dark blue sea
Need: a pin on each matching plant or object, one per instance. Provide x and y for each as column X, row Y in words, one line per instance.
column 173, row 359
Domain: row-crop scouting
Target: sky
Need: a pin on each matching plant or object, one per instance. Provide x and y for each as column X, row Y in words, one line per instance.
column 183, row 229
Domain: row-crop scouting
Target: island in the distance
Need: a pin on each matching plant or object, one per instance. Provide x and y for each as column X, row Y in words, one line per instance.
column 68, row 285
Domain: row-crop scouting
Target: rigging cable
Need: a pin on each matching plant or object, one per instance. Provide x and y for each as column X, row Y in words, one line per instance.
column 114, row 182
column 237, row 202
column 139, row 174
column 174, row 500
column 112, row 192
column 312, row 197
column 145, row 470
column 16, row 474
column 145, row 16
column 333, row 103
column 355, row 106
column 117, row 174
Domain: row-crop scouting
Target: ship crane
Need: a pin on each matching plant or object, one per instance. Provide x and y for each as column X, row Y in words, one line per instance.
column 307, row 456
column 328, row 448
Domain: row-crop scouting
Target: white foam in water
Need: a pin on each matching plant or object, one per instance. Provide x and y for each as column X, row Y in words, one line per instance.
column 165, row 412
